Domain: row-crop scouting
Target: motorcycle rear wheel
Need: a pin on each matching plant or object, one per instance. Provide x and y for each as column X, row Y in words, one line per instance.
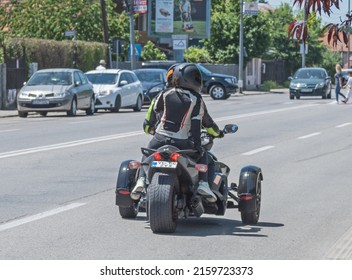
column 129, row 212
column 161, row 204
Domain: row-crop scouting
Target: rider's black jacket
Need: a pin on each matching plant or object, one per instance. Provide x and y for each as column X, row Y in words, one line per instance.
column 179, row 113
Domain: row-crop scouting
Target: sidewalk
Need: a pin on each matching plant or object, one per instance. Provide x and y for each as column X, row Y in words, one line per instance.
column 13, row 113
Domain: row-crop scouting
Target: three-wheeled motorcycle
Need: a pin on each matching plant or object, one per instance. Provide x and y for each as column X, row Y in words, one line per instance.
column 172, row 180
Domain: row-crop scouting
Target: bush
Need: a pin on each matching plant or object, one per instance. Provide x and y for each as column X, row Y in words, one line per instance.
column 56, row 54
column 268, row 85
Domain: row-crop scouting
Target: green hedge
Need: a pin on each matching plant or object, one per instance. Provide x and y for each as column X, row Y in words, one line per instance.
column 57, row 54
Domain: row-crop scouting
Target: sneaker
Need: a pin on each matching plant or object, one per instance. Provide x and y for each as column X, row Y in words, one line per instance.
column 138, row 188
column 204, row 190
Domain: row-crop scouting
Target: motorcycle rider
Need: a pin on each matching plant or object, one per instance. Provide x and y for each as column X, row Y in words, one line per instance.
column 183, row 113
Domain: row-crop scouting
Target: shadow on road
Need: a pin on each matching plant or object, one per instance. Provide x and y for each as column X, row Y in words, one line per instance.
column 207, row 226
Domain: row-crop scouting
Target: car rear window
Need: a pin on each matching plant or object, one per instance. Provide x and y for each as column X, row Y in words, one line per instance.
column 150, row 76
column 309, row 74
column 50, row 78
column 102, row 78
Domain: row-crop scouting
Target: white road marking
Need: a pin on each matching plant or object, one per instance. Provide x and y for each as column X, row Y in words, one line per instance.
column 39, row 216
column 262, row 113
column 258, row 150
column 342, row 249
column 309, row 135
column 8, row 130
column 343, row 125
column 68, row 144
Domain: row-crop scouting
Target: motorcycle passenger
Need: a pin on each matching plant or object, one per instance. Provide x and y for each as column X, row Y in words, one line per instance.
column 183, row 111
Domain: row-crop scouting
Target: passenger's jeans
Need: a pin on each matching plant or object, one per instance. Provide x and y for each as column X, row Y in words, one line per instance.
column 161, row 140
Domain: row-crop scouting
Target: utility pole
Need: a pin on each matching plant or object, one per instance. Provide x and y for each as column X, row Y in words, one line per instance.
column 129, row 9
column 348, row 37
column 104, row 21
column 240, row 61
column 303, row 30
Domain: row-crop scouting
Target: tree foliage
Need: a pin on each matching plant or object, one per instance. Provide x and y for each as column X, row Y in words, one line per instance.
column 49, row 19
column 223, row 45
column 151, row 52
column 196, row 54
column 336, row 32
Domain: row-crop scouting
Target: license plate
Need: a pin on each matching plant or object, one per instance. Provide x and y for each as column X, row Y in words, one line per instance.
column 306, row 90
column 40, row 101
column 164, row 164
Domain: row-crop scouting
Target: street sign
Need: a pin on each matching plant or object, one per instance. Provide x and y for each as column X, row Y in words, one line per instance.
column 250, row 8
column 179, row 44
column 70, row 33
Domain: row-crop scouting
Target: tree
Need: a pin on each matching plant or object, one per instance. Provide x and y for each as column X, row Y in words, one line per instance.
column 223, row 45
column 336, row 32
column 49, row 19
column 151, row 52
column 197, row 55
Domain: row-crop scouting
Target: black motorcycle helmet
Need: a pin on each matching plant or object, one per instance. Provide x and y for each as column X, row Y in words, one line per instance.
column 188, row 76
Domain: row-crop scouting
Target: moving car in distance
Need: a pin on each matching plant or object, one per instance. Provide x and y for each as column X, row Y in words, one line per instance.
column 115, row 89
column 311, row 81
column 56, row 90
column 153, row 81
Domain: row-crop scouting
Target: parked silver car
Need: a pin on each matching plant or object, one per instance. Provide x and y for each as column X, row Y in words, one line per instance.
column 53, row 90
column 115, row 89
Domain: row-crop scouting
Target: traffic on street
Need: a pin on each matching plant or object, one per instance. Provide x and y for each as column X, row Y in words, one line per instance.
column 58, row 179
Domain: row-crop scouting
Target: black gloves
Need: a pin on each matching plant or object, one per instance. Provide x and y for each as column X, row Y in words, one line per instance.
column 199, row 149
column 221, row 134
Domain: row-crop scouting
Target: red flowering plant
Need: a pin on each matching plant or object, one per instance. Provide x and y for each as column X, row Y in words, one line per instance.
column 298, row 29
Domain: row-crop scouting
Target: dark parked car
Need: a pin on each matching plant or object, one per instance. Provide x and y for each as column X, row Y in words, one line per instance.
column 52, row 90
column 219, row 86
column 153, row 81
column 310, row 82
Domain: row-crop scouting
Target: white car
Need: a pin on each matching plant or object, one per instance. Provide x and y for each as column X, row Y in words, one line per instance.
column 115, row 89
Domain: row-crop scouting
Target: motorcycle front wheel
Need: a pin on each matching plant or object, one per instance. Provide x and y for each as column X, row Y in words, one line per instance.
column 161, row 204
column 250, row 209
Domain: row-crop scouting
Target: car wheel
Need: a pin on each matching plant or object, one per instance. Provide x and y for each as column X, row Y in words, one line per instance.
column 73, row 111
column 91, row 109
column 138, row 106
column 217, row 92
column 323, row 96
column 329, row 95
column 298, row 97
column 117, row 104
column 22, row 114
column 292, row 97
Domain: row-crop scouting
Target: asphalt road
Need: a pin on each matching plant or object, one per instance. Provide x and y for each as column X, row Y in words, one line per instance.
column 58, row 177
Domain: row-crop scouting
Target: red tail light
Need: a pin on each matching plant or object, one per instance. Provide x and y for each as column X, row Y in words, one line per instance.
column 157, row 156
column 123, row 192
column 174, row 156
column 134, row 164
column 246, row 197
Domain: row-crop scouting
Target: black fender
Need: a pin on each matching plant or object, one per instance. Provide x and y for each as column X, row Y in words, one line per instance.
column 126, row 179
column 247, row 192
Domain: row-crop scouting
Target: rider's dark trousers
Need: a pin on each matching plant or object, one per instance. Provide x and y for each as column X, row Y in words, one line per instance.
column 160, row 140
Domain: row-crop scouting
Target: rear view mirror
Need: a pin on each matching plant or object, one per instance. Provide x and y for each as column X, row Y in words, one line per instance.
column 123, row 83
column 230, row 128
